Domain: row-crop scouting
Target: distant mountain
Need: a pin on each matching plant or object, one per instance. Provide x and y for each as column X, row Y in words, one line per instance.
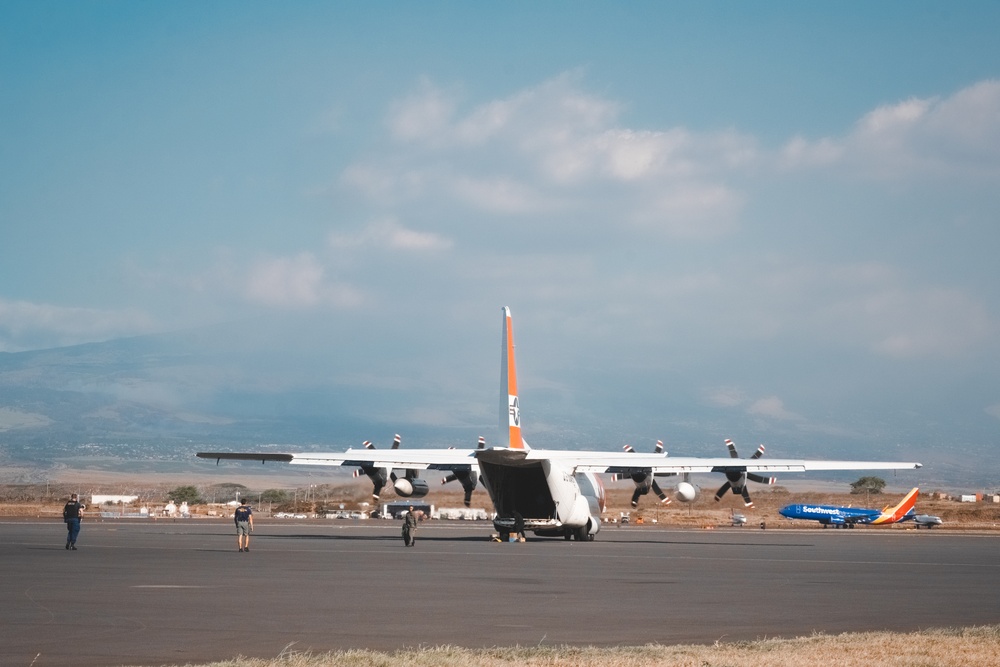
column 163, row 397
column 166, row 395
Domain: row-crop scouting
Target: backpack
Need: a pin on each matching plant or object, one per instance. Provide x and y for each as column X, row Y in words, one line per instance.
column 71, row 510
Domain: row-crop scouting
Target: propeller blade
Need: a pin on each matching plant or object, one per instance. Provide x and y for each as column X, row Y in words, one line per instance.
column 759, row 453
column 761, row 480
column 482, row 442
column 732, row 449
column 395, row 442
column 722, row 490
column 746, row 497
column 469, row 480
column 659, row 492
column 643, row 478
column 368, row 444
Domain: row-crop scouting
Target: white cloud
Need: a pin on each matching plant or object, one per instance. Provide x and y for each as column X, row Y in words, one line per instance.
column 423, row 115
column 295, row 282
column 878, row 307
column 693, row 211
column 871, row 306
column 501, row 195
column 919, row 137
column 801, row 152
column 931, row 322
column 894, row 119
column 554, row 149
column 727, row 397
column 25, row 325
column 772, row 407
column 389, row 234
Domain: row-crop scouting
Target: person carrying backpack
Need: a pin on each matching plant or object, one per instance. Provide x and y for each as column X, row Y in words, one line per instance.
column 72, row 516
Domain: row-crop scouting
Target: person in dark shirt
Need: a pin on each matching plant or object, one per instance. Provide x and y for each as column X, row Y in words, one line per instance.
column 518, row 526
column 410, row 527
column 243, row 516
column 72, row 516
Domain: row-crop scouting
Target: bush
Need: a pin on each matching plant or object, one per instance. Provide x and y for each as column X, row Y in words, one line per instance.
column 871, row 485
column 274, row 496
column 185, row 494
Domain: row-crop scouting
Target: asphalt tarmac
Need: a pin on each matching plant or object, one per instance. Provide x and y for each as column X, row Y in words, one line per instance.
column 142, row 592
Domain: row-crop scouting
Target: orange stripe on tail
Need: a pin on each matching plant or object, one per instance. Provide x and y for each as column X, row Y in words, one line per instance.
column 510, row 409
column 894, row 514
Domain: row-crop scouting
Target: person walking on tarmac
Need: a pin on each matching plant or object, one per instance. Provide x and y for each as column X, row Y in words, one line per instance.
column 243, row 516
column 72, row 516
column 410, row 527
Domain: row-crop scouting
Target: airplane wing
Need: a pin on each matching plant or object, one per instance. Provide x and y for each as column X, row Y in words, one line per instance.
column 380, row 466
column 412, row 459
column 622, row 463
column 579, row 461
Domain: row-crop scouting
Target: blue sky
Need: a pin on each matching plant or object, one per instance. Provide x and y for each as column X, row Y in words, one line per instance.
column 782, row 216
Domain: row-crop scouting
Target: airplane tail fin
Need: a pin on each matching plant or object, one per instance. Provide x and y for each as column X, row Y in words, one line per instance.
column 905, row 506
column 510, row 410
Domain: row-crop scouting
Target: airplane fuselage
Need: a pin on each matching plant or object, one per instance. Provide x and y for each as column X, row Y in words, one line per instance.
column 551, row 498
column 831, row 515
column 927, row 521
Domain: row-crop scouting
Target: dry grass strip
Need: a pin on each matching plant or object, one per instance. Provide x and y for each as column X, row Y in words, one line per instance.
column 957, row 647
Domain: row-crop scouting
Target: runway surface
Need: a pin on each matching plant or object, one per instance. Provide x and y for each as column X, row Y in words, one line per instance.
column 177, row 591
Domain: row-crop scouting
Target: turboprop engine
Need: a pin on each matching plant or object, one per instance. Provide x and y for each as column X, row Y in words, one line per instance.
column 410, row 487
column 645, row 482
column 643, row 479
column 736, row 480
column 686, row 492
column 468, row 478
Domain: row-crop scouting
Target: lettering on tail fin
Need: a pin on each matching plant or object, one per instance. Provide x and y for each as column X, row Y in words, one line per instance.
column 510, row 410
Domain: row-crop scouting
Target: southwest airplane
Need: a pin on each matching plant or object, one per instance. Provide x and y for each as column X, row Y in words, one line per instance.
column 848, row 517
column 555, row 492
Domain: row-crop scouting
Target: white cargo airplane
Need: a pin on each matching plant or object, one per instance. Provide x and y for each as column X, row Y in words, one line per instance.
column 554, row 492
